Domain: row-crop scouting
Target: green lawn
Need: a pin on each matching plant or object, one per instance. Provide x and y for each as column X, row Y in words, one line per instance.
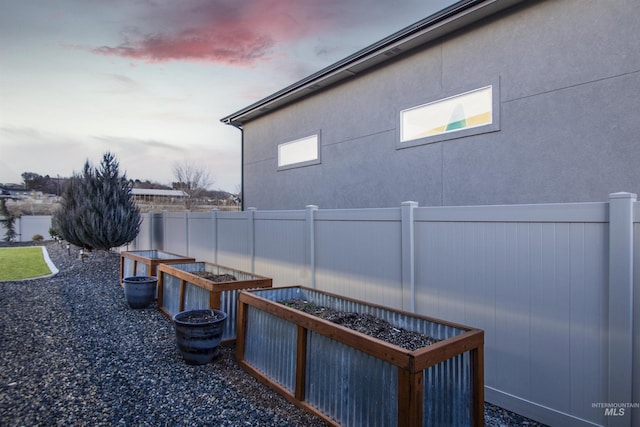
column 22, row 263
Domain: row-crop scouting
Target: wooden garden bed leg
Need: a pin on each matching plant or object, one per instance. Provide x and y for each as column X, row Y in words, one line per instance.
column 121, row 270
column 301, row 363
column 214, row 300
column 182, row 286
column 160, row 291
column 410, row 395
column 241, row 328
column 477, row 386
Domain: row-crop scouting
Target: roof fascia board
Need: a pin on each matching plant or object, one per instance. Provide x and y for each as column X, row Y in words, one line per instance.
column 455, row 17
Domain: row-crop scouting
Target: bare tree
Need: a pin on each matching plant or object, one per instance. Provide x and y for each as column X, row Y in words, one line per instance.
column 191, row 178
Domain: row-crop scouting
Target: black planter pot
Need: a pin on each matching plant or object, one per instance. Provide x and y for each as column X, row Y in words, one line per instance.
column 198, row 334
column 140, row 290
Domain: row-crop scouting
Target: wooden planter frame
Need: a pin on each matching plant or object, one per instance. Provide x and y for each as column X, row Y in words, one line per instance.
column 411, row 365
column 138, row 257
column 245, row 280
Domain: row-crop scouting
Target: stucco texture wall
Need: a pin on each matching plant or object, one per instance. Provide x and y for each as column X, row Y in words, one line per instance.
column 567, row 75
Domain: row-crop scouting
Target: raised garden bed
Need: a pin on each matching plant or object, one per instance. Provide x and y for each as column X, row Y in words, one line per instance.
column 203, row 285
column 144, row 263
column 350, row 378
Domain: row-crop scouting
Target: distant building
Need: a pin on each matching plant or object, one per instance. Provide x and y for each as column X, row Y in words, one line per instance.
column 14, row 192
column 485, row 102
column 148, row 195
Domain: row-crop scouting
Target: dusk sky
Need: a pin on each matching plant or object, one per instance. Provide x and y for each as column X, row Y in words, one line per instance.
column 149, row 80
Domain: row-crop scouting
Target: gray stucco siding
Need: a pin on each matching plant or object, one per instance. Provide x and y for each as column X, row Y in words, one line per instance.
column 566, row 75
column 552, row 147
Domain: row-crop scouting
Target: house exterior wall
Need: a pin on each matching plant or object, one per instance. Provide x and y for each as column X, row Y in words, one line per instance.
column 566, row 74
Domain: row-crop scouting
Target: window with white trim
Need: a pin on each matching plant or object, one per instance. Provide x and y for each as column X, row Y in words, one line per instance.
column 460, row 114
column 300, row 152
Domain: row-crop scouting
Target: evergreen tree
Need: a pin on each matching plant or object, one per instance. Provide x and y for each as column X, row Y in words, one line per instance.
column 97, row 210
column 7, row 219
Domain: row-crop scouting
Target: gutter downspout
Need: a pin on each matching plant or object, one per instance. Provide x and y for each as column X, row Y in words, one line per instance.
column 241, row 167
column 238, row 125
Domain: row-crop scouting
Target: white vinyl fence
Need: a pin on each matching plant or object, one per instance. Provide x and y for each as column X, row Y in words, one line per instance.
column 27, row 226
column 555, row 287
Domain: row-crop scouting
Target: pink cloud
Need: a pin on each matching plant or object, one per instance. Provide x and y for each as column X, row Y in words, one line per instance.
column 227, row 32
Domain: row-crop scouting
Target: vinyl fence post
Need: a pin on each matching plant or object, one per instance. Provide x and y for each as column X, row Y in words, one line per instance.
column 165, row 227
column 151, row 230
column 186, row 231
column 214, row 235
column 620, row 304
column 19, row 230
column 251, row 234
column 408, row 257
column 311, row 234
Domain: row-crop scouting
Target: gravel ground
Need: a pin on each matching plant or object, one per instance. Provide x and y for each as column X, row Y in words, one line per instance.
column 74, row 354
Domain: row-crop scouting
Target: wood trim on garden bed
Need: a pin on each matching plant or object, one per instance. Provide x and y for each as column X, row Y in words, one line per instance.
column 138, row 257
column 186, row 275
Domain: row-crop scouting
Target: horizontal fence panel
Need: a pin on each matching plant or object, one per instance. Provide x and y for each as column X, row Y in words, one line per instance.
column 279, row 215
column 27, row 226
column 538, row 289
column 175, row 227
column 588, row 322
column 360, row 256
column 379, row 214
column 200, row 229
column 281, row 248
column 565, row 212
column 154, row 225
column 233, row 240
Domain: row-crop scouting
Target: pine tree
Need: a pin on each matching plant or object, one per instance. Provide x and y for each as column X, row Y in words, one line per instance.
column 97, row 210
column 7, row 219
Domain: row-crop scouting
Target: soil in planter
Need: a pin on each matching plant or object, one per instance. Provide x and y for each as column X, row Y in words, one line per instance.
column 364, row 323
column 200, row 317
column 215, row 277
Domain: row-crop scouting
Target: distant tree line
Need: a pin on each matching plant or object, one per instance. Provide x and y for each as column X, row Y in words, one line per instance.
column 46, row 184
column 56, row 185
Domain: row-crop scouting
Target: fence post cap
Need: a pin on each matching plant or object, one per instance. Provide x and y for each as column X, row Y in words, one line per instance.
column 623, row 195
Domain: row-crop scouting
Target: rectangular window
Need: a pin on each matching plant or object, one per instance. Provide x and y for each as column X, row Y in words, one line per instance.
column 457, row 113
column 300, row 152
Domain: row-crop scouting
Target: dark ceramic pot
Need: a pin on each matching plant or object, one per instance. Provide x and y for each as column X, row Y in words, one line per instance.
column 140, row 290
column 198, row 334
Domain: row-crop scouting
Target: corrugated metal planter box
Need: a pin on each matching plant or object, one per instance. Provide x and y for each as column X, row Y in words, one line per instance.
column 144, row 263
column 352, row 379
column 179, row 289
